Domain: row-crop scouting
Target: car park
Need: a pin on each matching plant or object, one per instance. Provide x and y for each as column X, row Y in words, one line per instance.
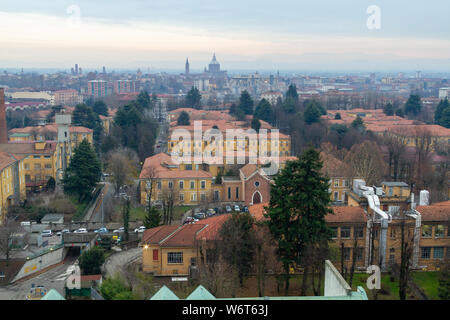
column 200, row 215
column 81, row 230
column 228, row 209
column 236, row 208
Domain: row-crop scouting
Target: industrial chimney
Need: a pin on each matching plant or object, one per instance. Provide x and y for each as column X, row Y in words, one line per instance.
column 3, row 128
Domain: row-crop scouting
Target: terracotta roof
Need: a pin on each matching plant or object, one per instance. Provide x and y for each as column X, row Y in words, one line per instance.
column 346, row 214
column 184, row 236
column 156, row 167
column 27, row 147
column 257, row 211
column 93, row 277
column 6, row 159
column 248, row 169
column 213, row 226
column 155, row 235
column 435, row 212
column 49, row 128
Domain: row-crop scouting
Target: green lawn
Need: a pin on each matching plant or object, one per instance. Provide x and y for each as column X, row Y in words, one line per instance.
column 429, row 282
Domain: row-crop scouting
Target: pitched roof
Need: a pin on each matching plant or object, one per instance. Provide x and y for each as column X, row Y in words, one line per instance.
column 6, row 159
column 436, row 212
column 53, row 295
column 212, row 227
column 257, row 211
column 164, row 293
column 50, row 128
column 200, row 294
column 155, row 235
column 346, row 214
column 248, row 169
column 184, row 236
column 27, row 147
column 156, row 167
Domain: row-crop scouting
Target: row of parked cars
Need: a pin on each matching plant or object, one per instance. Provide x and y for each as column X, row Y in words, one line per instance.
column 49, row 233
column 213, row 211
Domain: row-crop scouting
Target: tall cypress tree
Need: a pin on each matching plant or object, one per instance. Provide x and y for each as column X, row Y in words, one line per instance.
column 246, row 102
column 83, row 172
column 299, row 202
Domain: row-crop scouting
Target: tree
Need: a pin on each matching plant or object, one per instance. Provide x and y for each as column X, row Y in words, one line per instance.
column 388, row 109
column 445, row 118
column 238, row 250
column 84, row 116
column 83, row 172
column 291, row 93
column 122, row 164
column 413, row 106
column 256, row 125
column 183, row 119
column 246, row 102
column 399, row 112
column 406, row 252
column 100, row 108
column 312, row 113
column 115, row 288
column 299, row 201
column 365, row 162
column 264, row 111
column 7, row 230
column 91, row 260
column 51, row 184
column 337, row 116
column 126, row 216
column 152, row 218
column 358, row 124
column 443, row 104
column 193, row 98
column 143, row 100
column 444, row 280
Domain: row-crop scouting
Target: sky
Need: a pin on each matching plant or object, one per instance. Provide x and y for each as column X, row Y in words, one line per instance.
column 320, row 35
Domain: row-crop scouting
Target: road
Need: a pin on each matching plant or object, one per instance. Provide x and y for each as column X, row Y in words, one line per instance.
column 52, row 279
column 117, row 261
column 107, row 193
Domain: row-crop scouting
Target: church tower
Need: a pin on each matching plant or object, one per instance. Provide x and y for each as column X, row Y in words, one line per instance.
column 186, row 67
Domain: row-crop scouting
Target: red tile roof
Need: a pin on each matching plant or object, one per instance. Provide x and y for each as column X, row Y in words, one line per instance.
column 436, row 212
column 346, row 214
column 213, row 226
column 184, row 236
column 155, row 235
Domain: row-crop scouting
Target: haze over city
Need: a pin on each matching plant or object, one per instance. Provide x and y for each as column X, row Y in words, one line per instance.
column 251, row 35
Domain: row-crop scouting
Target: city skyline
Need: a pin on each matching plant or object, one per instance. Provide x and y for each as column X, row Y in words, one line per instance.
column 322, row 37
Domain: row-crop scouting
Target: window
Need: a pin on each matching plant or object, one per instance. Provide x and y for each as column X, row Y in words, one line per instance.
column 336, row 196
column 345, row 232
column 27, row 166
column 237, row 192
column 159, row 185
column 334, row 232
column 47, row 157
column 193, row 197
column 203, row 197
column 155, row 254
column 392, row 233
column 188, row 167
column 345, row 183
column 427, row 231
column 192, row 184
column 257, row 184
column 359, row 253
column 27, row 178
column 170, row 184
column 48, row 166
column 336, row 182
column 390, row 191
column 181, row 183
column 37, row 166
column 425, row 252
column 216, row 195
column 229, row 192
column 36, row 157
column 175, row 257
column 438, row 252
column 359, row 232
column 346, row 253
column 203, row 184
column 439, row 231
column 181, row 196
column 193, row 261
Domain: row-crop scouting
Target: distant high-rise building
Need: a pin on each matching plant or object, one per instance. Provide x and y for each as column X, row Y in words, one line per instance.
column 214, row 65
column 104, row 70
column 125, row 86
column 186, row 67
column 76, row 68
column 418, row 74
column 98, row 88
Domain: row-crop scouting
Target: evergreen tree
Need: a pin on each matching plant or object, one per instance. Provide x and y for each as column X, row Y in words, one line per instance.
column 444, row 281
column 389, row 109
column 84, row 116
column 219, row 177
column 183, row 119
column 256, row 125
column 246, row 102
column 91, row 260
column 143, row 99
column 399, row 112
column 153, row 218
column 299, row 202
column 233, row 109
column 291, row 93
column 445, row 118
column 337, row 116
column 264, row 111
column 358, row 124
column 312, row 113
column 413, row 105
column 100, row 108
column 443, row 104
column 193, row 98
column 83, row 172
column 126, row 217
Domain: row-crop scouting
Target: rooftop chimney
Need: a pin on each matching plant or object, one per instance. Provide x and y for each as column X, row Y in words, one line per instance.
column 3, row 128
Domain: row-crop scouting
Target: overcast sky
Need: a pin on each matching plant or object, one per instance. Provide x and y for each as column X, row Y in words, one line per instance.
column 321, row 35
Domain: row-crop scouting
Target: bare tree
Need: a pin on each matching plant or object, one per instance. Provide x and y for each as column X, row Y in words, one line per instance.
column 406, row 252
column 122, row 164
column 8, row 230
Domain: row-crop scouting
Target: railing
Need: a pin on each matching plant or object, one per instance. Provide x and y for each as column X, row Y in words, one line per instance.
column 42, row 252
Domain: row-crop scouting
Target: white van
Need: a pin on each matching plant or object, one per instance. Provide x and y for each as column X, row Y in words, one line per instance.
column 46, row 233
column 25, row 223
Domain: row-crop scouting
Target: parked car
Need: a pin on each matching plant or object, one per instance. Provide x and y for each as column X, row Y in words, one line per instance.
column 101, row 230
column 25, row 223
column 81, row 230
column 236, row 208
column 46, row 233
column 140, row 229
column 228, row 209
column 65, row 231
column 218, row 210
column 121, row 229
column 245, row 209
column 59, row 233
column 210, row 212
column 200, row 215
column 190, row 220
